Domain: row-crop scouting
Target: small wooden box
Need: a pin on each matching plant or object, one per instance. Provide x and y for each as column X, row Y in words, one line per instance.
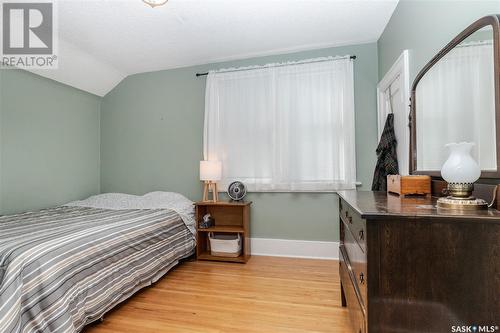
column 409, row 185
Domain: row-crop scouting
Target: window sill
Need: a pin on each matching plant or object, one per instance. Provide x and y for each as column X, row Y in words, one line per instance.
column 358, row 184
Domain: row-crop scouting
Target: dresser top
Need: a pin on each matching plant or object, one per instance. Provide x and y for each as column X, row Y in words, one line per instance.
column 373, row 205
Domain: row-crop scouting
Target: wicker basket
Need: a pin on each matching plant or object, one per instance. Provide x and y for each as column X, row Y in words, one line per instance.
column 225, row 245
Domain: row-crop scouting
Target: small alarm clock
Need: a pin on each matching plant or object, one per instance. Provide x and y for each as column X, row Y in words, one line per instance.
column 207, row 221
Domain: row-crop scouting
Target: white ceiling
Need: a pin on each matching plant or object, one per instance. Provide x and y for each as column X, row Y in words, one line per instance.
column 102, row 42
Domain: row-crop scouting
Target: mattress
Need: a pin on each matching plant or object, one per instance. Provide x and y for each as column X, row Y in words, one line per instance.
column 64, row 267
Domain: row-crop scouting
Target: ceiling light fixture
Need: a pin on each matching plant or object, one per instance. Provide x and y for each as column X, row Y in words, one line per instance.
column 155, row 3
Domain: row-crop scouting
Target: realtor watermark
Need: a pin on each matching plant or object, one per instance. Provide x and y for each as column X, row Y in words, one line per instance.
column 475, row 328
column 29, row 35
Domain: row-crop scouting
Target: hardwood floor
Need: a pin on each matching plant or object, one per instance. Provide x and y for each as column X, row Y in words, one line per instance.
column 267, row 294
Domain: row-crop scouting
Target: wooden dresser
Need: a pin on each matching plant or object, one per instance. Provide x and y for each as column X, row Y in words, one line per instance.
column 407, row 267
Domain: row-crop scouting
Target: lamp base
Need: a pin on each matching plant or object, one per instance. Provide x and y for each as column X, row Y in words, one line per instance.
column 207, row 187
column 460, row 190
column 462, row 204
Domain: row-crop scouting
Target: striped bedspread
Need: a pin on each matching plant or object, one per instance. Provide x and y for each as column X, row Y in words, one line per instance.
column 64, row 267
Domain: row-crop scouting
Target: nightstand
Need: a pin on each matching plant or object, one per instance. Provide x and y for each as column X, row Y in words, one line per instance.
column 230, row 217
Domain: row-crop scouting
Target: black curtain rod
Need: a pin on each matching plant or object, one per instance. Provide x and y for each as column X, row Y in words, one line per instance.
column 204, row 74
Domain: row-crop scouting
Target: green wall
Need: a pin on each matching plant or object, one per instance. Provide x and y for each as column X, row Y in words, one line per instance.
column 425, row 27
column 49, row 142
column 148, row 129
column 151, row 139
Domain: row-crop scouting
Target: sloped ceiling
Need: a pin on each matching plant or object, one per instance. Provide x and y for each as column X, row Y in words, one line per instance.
column 102, row 42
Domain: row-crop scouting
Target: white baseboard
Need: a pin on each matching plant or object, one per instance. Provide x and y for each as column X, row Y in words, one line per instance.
column 295, row 248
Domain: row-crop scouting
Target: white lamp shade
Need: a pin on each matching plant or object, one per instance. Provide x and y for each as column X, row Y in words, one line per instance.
column 460, row 167
column 210, row 170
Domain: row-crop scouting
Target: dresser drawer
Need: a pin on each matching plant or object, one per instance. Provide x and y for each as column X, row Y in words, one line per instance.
column 356, row 262
column 356, row 224
column 357, row 312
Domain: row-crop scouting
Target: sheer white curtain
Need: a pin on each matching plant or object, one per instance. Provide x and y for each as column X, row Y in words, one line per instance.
column 455, row 100
column 283, row 127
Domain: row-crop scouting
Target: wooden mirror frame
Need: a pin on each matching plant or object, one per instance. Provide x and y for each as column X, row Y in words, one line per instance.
column 494, row 22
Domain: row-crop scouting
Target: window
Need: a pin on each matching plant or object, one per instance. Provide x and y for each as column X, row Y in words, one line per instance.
column 283, row 127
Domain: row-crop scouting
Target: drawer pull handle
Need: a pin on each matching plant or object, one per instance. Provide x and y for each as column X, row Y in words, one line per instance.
column 361, row 234
column 361, row 278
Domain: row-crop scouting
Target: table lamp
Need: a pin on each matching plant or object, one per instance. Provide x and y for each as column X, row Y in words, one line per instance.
column 461, row 171
column 210, row 173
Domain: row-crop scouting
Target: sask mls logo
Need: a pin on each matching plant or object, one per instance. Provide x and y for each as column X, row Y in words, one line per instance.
column 28, row 35
column 475, row 329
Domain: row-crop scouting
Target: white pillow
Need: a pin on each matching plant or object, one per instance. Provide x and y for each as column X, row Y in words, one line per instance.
column 109, row 201
column 153, row 200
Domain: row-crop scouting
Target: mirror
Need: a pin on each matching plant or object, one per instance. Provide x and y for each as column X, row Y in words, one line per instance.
column 455, row 99
column 456, row 103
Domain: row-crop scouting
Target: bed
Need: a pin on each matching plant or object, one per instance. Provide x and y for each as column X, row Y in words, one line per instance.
column 64, row 267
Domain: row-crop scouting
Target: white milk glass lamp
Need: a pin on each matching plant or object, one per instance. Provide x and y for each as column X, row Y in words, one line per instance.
column 210, row 173
column 460, row 171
